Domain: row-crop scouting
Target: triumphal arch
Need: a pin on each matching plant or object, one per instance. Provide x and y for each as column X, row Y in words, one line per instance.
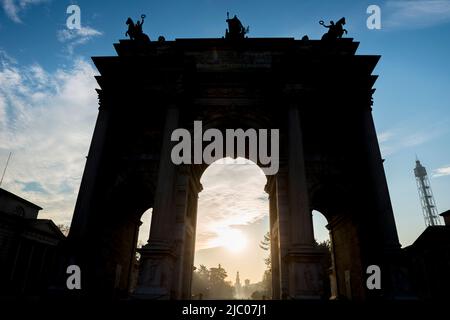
column 318, row 93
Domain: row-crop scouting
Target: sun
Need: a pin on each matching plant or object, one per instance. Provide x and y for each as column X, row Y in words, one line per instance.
column 233, row 240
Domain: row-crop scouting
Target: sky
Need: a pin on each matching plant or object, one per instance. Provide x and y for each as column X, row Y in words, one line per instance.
column 48, row 104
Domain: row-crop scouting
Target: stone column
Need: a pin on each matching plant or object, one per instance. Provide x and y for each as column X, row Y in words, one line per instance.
column 185, row 200
column 26, row 275
column 181, row 204
column 301, row 217
column 270, row 188
column 282, row 201
column 157, row 262
column 332, row 274
column 305, row 279
column 191, row 223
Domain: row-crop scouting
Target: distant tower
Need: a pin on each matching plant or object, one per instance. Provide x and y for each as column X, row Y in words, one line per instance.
column 429, row 209
column 238, row 286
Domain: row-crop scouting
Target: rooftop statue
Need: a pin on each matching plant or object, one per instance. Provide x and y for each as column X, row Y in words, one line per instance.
column 335, row 30
column 135, row 30
column 235, row 28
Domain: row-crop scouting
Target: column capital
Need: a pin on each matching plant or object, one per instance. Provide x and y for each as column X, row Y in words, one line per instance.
column 158, row 247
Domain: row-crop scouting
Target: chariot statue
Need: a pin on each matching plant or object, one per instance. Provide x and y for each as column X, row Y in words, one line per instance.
column 235, row 28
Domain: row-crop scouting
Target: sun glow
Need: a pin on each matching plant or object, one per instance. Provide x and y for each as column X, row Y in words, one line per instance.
column 231, row 239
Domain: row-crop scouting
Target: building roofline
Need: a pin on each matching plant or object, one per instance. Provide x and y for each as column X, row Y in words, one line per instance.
column 3, row 191
column 445, row 213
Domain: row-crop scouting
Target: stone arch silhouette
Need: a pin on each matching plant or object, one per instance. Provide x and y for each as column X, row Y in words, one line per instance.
column 318, row 95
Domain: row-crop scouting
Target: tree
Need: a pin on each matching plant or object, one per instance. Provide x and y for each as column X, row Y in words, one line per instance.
column 217, row 275
column 259, row 295
column 211, row 284
column 326, row 244
column 203, row 272
column 219, row 287
column 265, row 245
column 267, row 277
column 326, row 264
column 64, row 229
column 200, row 283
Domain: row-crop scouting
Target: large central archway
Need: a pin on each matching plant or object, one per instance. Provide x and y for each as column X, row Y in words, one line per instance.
column 232, row 219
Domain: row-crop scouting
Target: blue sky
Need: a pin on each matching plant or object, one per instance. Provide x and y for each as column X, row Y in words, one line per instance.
column 48, row 104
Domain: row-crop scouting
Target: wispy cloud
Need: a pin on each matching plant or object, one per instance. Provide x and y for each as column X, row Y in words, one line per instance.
column 404, row 137
column 233, row 196
column 76, row 37
column 385, row 136
column 46, row 120
column 5, row 58
column 440, row 172
column 414, row 14
column 13, row 8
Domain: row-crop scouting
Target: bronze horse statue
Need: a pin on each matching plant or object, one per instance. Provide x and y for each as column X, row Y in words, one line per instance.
column 335, row 30
column 135, row 30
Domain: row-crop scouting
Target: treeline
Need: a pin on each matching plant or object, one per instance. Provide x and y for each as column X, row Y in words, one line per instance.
column 210, row 284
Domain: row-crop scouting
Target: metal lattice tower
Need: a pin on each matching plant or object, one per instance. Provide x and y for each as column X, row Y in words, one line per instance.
column 429, row 209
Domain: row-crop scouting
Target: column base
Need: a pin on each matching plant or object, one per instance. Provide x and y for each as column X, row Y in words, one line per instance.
column 305, row 273
column 156, row 268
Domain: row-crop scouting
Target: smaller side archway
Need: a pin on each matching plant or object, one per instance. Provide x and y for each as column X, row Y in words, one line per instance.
column 323, row 242
column 141, row 238
column 345, row 272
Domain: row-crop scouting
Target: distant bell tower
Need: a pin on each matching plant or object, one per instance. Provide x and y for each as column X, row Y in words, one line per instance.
column 429, row 209
column 238, row 287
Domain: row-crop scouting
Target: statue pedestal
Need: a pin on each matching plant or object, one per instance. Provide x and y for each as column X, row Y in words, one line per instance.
column 156, row 269
column 305, row 273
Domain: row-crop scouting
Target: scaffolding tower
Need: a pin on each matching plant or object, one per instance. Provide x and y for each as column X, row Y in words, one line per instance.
column 429, row 209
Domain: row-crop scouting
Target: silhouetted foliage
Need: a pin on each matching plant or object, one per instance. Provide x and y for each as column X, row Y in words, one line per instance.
column 211, row 284
column 326, row 264
column 64, row 229
column 326, row 244
column 259, row 295
column 265, row 245
column 267, row 277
